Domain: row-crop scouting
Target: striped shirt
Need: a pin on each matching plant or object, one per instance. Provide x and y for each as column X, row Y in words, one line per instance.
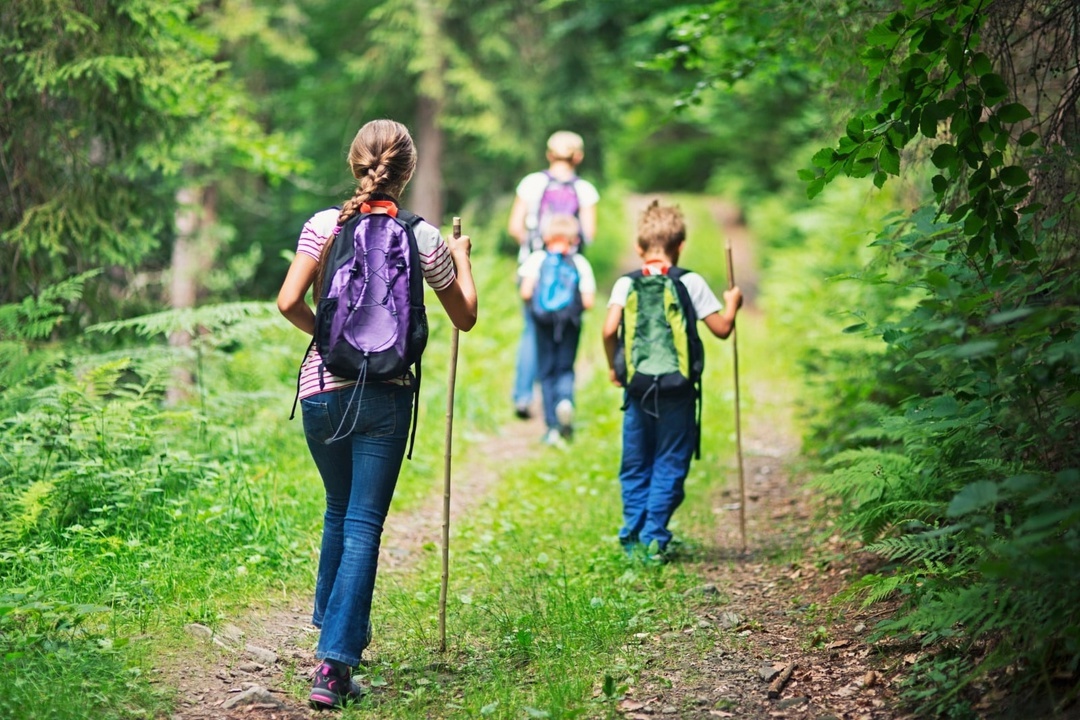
column 435, row 262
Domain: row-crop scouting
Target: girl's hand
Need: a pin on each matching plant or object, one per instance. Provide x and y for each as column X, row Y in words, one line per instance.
column 459, row 246
column 613, row 378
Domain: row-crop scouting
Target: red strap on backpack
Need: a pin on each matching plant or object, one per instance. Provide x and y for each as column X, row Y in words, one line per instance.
column 390, row 205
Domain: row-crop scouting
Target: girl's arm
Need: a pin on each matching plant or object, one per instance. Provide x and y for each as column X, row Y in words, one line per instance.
column 611, row 340
column 290, row 300
column 459, row 298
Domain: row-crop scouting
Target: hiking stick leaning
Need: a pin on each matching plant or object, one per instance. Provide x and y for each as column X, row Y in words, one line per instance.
column 738, row 419
column 446, row 474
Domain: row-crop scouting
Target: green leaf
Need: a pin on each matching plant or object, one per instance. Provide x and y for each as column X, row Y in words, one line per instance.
column 879, row 179
column 981, row 64
column 889, row 159
column 1014, row 175
column 814, row 188
column 857, row 327
column 940, row 183
column 943, row 156
column 994, row 86
column 975, row 349
column 973, row 497
column 1028, row 139
column 1013, row 112
column 823, row 158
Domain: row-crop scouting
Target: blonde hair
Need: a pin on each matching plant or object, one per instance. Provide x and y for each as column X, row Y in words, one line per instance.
column 561, row 225
column 382, row 158
column 565, row 145
column 661, row 228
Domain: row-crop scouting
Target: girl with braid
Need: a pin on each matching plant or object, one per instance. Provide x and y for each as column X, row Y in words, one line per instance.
column 360, row 469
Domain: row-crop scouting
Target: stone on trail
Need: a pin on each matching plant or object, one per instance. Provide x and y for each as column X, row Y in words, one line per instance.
column 267, row 657
column 200, row 631
column 253, row 696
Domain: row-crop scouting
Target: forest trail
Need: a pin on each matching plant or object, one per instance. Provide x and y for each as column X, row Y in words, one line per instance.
column 771, row 616
column 252, row 658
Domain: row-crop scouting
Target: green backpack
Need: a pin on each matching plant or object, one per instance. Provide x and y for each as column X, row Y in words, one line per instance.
column 659, row 350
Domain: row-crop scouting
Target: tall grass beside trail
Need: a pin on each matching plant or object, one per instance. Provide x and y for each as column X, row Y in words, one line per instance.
column 124, row 518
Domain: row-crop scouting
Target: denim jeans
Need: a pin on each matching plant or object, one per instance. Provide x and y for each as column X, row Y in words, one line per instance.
column 525, row 375
column 555, row 365
column 659, row 437
column 359, row 472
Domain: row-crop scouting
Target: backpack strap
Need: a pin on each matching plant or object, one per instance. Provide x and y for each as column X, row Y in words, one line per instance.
column 694, row 339
column 409, row 221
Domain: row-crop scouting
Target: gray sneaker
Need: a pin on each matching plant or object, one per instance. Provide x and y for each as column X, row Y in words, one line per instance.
column 564, row 412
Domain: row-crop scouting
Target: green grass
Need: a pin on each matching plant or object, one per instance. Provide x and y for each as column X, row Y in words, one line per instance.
column 196, row 514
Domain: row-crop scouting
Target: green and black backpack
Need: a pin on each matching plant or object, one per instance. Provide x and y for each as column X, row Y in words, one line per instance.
column 659, row 350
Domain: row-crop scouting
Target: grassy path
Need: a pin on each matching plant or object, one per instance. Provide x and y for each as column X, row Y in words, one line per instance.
column 547, row 618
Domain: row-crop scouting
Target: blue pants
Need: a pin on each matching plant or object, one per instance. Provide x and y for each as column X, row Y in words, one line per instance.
column 359, row 472
column 555, row 365
column 525, row 375
column 659, row 437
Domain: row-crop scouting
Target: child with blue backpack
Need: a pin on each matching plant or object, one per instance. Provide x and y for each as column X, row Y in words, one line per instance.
column 655, row 354
column 556, row 190
column 557, row 285
column 366, row 264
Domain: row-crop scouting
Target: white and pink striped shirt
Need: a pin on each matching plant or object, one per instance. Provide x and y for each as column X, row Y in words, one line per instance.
column 435, row 261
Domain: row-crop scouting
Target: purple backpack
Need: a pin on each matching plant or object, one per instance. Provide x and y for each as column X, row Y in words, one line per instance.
column 559, row 198
column 370, row 323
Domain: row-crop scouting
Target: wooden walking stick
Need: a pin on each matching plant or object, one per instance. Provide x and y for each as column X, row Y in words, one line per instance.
column 738, row 420
column 446, row 474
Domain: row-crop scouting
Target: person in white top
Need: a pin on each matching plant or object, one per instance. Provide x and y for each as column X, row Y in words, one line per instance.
column 360, row 469
column 565, row 151
column 557, row 330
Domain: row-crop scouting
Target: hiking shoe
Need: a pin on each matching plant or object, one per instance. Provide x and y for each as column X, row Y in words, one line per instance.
column 553, row 438
column 521, row 410
column 564, row 411
column 333, row 688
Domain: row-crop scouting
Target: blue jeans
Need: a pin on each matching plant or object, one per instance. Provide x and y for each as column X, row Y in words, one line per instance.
column 555, row 365
column 525, row 375
column 359, row 472
column 659, row 437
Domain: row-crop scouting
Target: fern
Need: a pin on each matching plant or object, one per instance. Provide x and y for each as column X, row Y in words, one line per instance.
column 35, row 318
column 209, row 318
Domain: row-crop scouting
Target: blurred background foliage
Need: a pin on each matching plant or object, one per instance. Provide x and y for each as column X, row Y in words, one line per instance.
column 158, row 158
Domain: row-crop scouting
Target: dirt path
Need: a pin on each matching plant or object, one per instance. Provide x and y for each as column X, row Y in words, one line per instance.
column 754, row 617
column 251, row 661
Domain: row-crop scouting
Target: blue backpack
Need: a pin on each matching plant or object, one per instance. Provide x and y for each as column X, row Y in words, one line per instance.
column 370, row 321
column 556, row 300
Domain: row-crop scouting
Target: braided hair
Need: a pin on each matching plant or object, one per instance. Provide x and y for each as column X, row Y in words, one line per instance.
column 382, row 158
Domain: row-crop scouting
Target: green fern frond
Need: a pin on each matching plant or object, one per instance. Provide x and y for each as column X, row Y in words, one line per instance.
column 36, row 317
column 208, row 317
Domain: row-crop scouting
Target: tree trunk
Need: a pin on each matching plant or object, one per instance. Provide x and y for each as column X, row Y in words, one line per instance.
column 426, row 198
column 192, row 255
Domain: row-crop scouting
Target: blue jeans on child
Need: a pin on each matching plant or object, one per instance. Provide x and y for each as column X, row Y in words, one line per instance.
column 525, row 374
column 659, row 437
column 556, row 348
column 359, row 472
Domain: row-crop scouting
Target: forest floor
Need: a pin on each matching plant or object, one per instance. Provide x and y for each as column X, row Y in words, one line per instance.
column 788, row 653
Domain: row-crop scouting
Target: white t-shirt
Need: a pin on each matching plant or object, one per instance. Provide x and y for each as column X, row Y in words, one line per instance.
column 702, row 297
column 586, row 279
column 435, row 262
column 531, row 190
